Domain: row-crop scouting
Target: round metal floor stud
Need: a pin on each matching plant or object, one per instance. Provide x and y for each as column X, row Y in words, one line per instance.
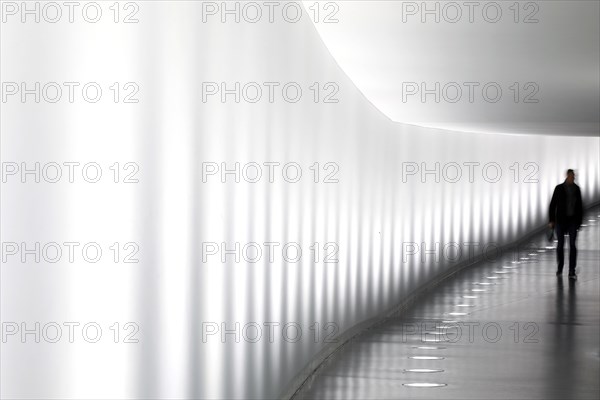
column 425, row 385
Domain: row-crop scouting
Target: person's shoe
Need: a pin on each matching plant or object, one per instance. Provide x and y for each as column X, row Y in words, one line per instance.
column 559, row 273
column 572, row 276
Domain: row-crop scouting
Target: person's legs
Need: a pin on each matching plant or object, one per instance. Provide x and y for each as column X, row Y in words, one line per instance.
column 572, row 248
column 560, row 247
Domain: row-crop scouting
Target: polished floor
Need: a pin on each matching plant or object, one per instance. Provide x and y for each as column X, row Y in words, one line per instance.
column 509, row 329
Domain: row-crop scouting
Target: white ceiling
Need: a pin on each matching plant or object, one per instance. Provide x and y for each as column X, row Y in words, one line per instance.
column 386, row 49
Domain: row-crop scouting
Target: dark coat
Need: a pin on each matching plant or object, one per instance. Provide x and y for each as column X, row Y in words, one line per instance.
column 558, row 205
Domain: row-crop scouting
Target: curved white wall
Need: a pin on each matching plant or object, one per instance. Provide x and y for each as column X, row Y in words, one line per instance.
column 171, row 212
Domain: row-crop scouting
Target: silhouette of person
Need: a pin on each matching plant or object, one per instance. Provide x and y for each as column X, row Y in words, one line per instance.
column 566, row 216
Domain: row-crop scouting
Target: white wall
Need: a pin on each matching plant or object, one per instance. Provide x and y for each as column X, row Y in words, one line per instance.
column 171, row 212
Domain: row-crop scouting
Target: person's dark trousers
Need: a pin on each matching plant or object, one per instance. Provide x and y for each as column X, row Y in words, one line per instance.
column 562, row 229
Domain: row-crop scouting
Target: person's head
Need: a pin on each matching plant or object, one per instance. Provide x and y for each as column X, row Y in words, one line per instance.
column 570, row 176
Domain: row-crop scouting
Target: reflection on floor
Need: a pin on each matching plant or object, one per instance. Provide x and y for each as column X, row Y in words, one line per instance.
column 509, row 329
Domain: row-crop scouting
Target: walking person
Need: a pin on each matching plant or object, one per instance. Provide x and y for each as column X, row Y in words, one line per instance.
column 566, row 216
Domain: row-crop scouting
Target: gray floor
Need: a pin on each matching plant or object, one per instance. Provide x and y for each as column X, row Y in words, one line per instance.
column 526, row 335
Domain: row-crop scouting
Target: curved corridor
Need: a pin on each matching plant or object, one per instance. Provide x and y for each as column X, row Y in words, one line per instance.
column 500, row 329
column 207, row 199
